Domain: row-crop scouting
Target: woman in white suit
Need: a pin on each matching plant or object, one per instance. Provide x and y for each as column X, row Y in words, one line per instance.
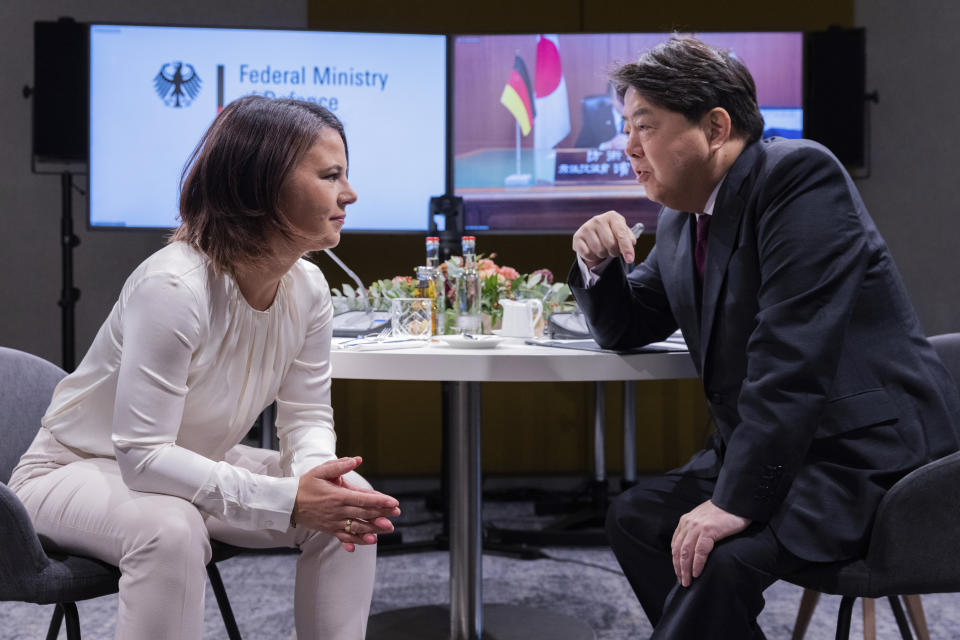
column 138, row 463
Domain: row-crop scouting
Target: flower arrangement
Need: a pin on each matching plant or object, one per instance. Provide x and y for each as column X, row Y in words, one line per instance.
column 496, row 282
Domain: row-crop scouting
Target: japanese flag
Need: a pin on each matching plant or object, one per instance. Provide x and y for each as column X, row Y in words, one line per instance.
column 552, row 121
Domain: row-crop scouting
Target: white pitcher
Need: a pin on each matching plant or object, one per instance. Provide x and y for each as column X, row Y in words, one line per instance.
column 520, row 317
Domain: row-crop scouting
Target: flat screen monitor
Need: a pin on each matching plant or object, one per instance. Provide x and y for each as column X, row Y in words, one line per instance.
column 551, row 172
column 155, row 90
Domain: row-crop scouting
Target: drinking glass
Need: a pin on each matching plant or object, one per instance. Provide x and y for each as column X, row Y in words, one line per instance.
column 411, row 317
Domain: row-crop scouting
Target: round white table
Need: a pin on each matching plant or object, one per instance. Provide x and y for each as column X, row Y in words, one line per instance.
column 510, row 361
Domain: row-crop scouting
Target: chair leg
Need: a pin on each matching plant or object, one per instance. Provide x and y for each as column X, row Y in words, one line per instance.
column 55, row 622
column 869, row 619
column 915, row 613
column 233, row 632
column 808, row 602
column 843, row 617
column 901, row 618
column 73, row 620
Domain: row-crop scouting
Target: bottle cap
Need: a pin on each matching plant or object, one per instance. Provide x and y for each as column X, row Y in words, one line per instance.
column 436, row 238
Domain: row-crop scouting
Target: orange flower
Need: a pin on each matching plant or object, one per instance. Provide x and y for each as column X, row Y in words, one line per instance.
column 508, row 273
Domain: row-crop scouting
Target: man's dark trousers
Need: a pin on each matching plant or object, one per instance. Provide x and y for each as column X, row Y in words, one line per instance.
column 724, row 602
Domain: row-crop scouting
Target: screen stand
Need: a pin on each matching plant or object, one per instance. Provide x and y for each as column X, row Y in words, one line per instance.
column 518, row 179
column 445, row 220
column 69, row 294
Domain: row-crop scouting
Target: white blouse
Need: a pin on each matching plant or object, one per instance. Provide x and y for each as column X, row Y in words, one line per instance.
column 180, row 370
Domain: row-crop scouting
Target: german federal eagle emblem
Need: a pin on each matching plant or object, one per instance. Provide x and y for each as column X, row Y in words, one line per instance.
column 177, row 84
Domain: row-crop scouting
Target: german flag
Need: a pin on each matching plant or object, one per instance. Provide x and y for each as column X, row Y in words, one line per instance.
column 518, row 95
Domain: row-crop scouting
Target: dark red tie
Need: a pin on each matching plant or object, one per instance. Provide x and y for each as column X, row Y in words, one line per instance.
column 700, row 252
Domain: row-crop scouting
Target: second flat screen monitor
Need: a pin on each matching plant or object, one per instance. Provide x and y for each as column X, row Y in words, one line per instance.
column 553, row 171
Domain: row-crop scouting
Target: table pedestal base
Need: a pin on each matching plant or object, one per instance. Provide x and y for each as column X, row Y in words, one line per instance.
column 500, row 622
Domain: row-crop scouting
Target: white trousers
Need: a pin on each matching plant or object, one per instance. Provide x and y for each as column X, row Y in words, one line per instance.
column 161, row 544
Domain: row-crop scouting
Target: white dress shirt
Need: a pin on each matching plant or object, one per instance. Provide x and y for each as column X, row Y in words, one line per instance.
column 180, row 370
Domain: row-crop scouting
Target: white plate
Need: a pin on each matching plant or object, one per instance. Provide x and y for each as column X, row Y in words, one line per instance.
column 475, row 342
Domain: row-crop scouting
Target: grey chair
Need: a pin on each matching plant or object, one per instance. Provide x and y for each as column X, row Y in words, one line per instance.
column 913, row 541
column 28, row 572
column 598, row 123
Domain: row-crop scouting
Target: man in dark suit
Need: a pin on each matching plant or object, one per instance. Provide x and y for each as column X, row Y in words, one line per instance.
column 822, row 386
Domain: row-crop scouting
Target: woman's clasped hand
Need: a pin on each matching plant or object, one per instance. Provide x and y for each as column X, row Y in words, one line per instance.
column 326, row 501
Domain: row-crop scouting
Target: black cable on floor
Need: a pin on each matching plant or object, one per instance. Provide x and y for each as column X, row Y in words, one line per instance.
column 583, row 563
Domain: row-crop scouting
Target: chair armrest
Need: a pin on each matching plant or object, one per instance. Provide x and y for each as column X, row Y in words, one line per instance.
column 22, row 558
column 915, row 532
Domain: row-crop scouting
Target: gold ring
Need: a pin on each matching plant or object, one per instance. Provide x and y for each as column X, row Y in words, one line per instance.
column 347, row 528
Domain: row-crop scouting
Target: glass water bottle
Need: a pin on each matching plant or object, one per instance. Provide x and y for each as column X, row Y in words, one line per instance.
column 468, row 290
column 425, row 288
column 439, row 283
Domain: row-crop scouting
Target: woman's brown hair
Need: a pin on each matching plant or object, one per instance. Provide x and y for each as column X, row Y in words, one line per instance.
column 230, row 187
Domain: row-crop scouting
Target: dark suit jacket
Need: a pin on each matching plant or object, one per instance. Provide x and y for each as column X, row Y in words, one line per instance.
column 823, row 387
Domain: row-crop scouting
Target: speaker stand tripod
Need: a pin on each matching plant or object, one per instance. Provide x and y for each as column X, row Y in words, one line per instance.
column 69, row 294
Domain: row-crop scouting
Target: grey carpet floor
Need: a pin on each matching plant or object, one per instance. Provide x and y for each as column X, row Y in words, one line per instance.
column 582, row 582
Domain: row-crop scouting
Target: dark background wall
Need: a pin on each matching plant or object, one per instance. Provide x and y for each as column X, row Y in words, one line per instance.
column 913, row 191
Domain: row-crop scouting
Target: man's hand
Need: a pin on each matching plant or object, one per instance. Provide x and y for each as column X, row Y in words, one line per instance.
column 695, row 536
column 604, row 236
